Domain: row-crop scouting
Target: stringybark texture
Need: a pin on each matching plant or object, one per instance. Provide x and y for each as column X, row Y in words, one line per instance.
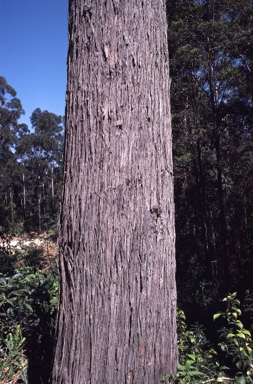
column 117, row 306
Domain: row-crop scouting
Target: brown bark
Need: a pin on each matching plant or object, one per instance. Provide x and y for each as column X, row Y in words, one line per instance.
column 117, row 306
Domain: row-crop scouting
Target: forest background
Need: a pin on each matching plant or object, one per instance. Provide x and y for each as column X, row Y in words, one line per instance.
column 211, row 64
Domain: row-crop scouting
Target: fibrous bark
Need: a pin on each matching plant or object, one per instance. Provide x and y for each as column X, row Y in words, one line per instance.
column 117, row 305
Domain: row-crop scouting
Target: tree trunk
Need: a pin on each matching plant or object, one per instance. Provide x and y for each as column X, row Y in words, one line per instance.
column 24, row 197
column 52, row 185
column 224, row 259
column 117, row 305
column 11, row 205
column 39, row 204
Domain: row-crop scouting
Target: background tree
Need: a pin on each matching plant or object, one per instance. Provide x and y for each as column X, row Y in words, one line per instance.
column 116, row 321
column 41, row 157
column 30, row 166
column 212, row 110
column 10, row 132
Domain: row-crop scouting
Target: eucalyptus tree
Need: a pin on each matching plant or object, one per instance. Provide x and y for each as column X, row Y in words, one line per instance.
column 117, row 305
column 10, row 133
column 40, row 153
column 211, row 58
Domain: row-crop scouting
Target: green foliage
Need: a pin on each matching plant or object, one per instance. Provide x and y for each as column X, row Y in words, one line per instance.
column 39, row 331
column 248, row 308
column 236, row 341
column 15, row 307
column 7, row 263
column 13, row 362
column 15, row 303
column 41, row 154
column 30, row 165
column 211, row 50
column 200, row 362
column 197, row 358
column 30, row 191
column 210, row 46
column 28, row 302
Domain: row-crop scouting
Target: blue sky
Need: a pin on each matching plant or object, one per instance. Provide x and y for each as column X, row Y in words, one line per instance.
column 33, row 52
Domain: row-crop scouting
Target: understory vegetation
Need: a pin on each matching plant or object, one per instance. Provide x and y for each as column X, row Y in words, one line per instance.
column 211, row 67
column 28, row 303
column 228, row 356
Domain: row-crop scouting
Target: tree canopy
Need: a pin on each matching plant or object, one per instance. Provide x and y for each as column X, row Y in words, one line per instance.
column 30, row 165
column 211, row 67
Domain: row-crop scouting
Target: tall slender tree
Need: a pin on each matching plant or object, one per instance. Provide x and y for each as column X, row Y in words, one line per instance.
column 10, row 132
column 211, row 67
column 117, row 303
column 40, row 154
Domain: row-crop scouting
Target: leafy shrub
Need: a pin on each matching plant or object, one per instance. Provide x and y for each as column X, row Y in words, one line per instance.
column 200, row 362
column 27, row 310
column 39, row 329
column 236, row 341
column 15, row 305
column 7, row 263
column 197, row 358
column 13, row 363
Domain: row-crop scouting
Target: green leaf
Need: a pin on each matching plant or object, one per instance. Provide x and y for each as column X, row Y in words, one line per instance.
column 17, row 276
column 249, row 351
column 236, row 310
column 216, row 315
column 246, row 332
column 240, row 379
column 241, row 335
column 10, row 311
column 189, row 363
column 194, row 373
column 229, row 335
column 239, row 324
column 28, row 306
column 9, row 301
column 224, row 368
column 192, row 356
